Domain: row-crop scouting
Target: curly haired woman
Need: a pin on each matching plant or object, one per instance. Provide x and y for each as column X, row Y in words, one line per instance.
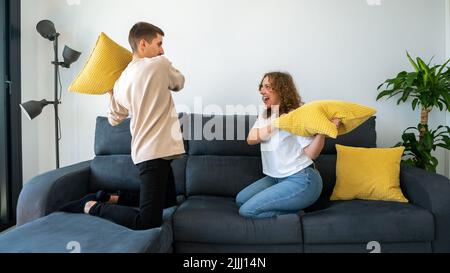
column 291, row 182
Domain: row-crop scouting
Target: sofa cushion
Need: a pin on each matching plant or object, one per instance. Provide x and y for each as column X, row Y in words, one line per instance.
column 219, row 135
column 362, row 221
column 112, row 140
column 315, row 118
column 363, row 136
column 221, row 175
column 53, row 233
column 116, row 140
column 113, row 172
column 103, row 67
column 368, row 174
column 216, row 220
column 117, row 172
column 402, row 247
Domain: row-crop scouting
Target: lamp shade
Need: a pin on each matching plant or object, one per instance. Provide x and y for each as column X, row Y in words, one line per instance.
column 47, row 29
column 33, row 108
column 70, row 56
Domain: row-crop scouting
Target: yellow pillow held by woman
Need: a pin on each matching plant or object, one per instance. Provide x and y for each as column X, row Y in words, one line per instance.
column 315, row 118
column 105, row 65
column 368, row 173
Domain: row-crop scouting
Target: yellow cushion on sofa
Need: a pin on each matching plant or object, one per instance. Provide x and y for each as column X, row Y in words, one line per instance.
column 368, row 173
column 103, row 68
column 315, row 118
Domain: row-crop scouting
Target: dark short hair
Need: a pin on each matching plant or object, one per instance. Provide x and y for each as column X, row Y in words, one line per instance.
column 142, row 30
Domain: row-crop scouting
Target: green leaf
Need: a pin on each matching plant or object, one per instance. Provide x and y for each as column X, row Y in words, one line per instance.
column 410, row 78
column 445, row 146
column 378, row 88
column 384, row 93
column 395, row 93
column 409, row 138
column 412, row 62
column 430, row 60
column 446, row 139
column 445, row 99
column 414, row 103
column 405, row 95
column 411, row 162
column 425, row 69
column 411, row 128
column 442, row 67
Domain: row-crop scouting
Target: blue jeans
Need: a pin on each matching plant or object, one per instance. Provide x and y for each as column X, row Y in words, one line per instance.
column 269, row 197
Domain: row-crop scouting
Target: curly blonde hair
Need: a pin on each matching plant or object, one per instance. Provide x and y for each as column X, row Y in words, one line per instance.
column 283, row 84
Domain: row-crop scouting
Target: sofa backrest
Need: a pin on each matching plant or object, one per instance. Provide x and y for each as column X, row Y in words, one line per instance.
column 218, row 160
column 364, row 135
column 112, row 167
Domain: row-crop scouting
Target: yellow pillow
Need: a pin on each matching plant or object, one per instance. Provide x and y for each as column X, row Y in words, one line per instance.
column 315, row 118
column 103, row 68
column 368, row 173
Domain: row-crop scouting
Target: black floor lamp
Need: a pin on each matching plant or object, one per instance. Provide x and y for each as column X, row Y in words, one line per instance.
column 33, row 108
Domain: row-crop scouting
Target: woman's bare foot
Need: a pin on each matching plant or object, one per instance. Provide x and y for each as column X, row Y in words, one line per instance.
column 113, row 199
column 104, row 196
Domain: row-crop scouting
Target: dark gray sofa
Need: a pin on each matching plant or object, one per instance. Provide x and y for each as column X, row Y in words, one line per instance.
column 215, row 168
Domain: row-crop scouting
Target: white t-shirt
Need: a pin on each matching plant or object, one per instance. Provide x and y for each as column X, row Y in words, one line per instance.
column 282, row 155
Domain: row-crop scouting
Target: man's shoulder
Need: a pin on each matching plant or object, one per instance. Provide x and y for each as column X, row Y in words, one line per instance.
column 155, row 61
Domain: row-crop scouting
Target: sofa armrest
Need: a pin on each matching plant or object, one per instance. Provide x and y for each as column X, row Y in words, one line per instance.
column 432, row 192
column 45, row 193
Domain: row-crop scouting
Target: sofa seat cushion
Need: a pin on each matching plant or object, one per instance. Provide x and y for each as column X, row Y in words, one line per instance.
column 55, row 232
column 362, row 221
column 213, row 219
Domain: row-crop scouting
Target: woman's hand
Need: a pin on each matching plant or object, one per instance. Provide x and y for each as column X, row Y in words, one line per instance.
column 313, row 150
column 336, row 121
column 315, row 147
column 266, row 132
column 258, row 135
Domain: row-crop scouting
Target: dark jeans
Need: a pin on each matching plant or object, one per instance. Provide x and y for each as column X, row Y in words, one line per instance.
column 157, row 191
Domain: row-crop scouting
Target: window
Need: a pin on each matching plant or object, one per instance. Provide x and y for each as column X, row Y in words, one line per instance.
column 10, row 116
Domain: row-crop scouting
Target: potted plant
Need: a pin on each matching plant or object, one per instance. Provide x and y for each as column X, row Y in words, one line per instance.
column 428, row 87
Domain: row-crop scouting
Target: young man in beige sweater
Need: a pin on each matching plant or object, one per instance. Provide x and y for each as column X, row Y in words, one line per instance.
column 143, row 92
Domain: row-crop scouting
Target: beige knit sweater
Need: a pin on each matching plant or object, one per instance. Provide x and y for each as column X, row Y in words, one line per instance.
column 143, row 93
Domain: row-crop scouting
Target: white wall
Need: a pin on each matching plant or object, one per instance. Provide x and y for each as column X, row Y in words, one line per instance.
column 334, row 49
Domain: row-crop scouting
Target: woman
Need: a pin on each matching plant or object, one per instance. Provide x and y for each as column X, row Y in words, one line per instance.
column 292, row 183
